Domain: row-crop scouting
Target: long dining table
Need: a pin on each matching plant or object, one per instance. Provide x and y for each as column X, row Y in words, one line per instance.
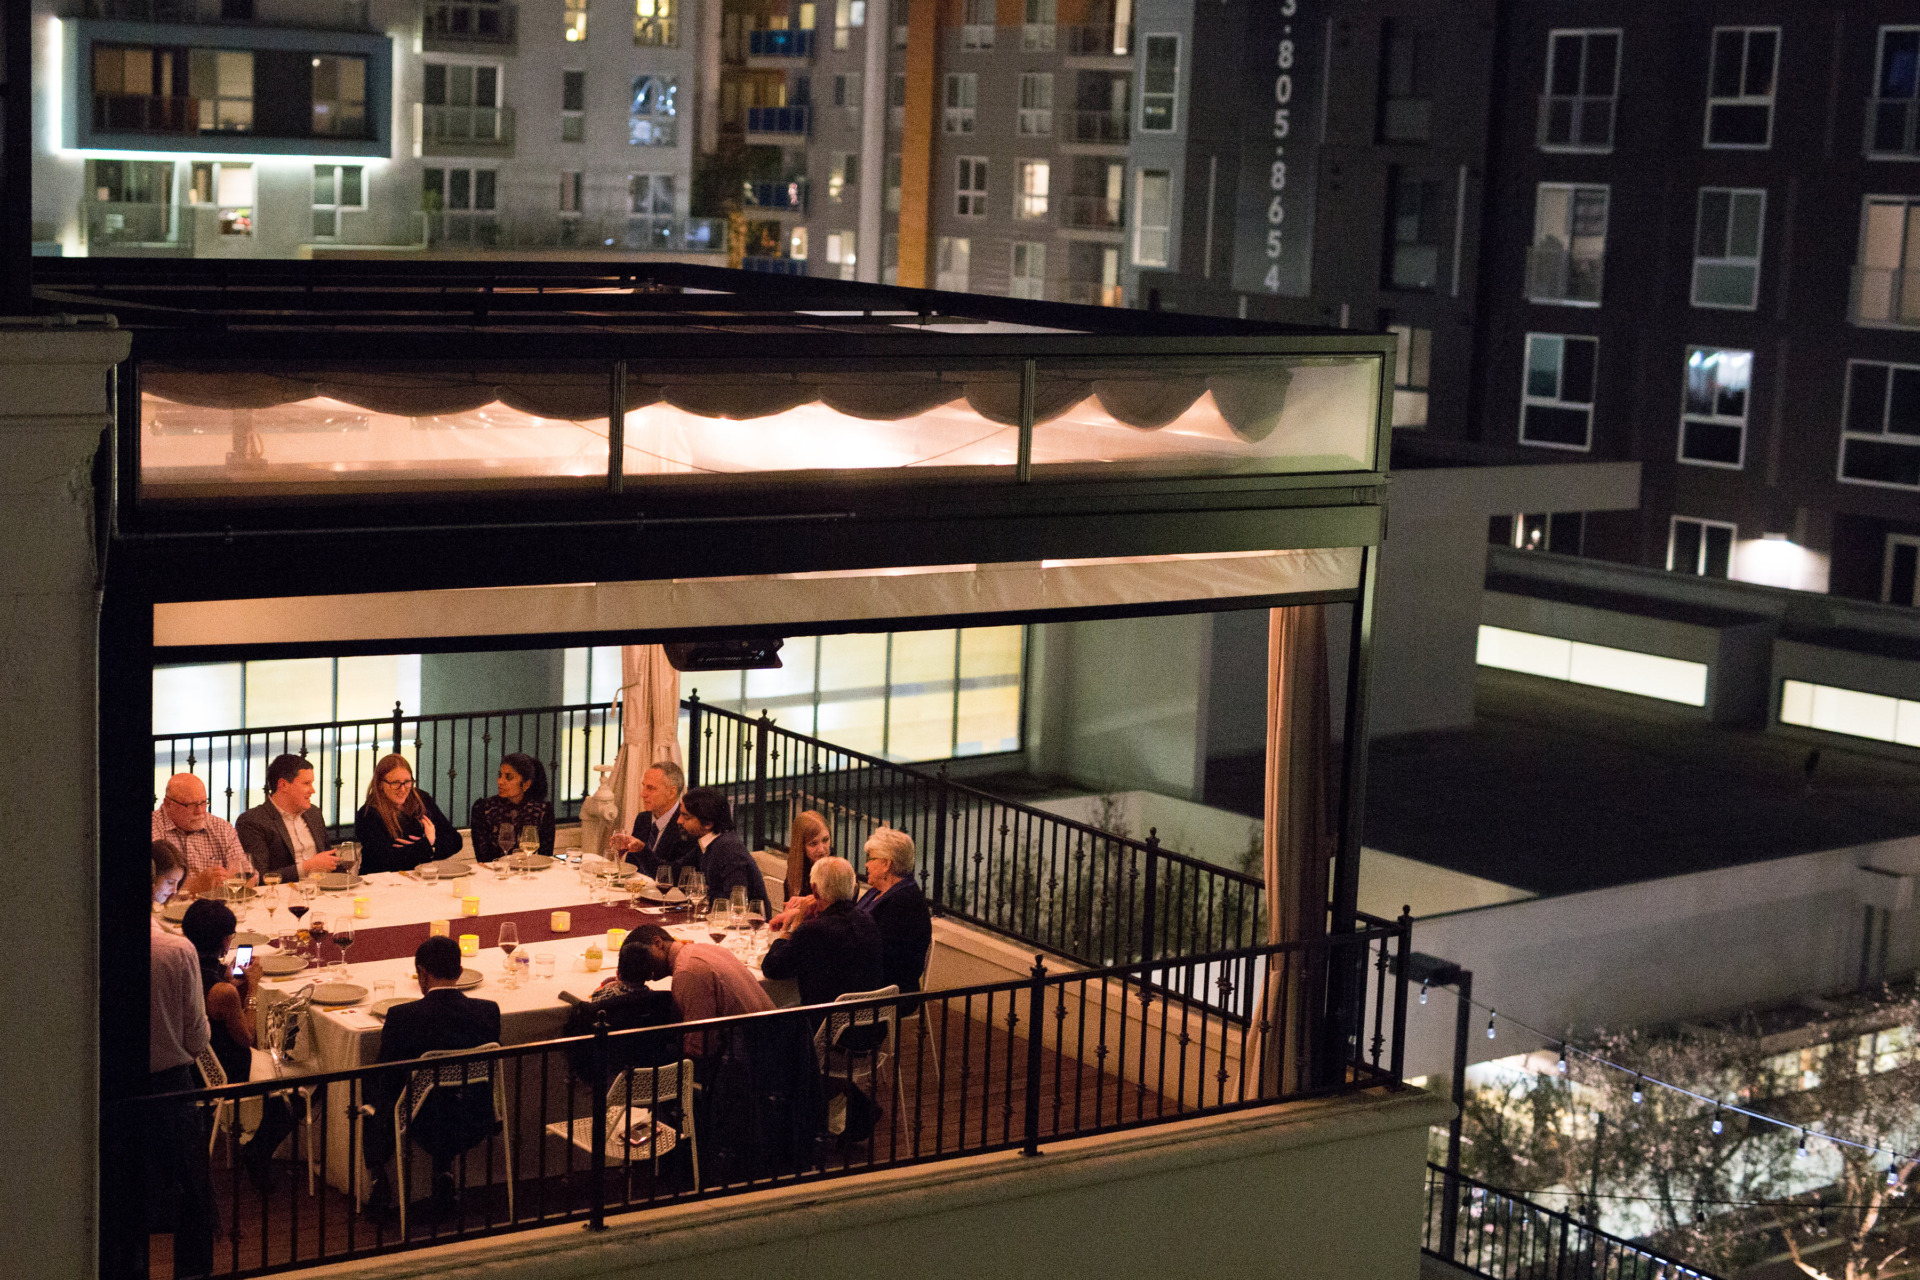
column 399, row 912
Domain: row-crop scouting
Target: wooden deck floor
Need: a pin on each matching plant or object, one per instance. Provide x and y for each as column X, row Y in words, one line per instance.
column 975, row 1102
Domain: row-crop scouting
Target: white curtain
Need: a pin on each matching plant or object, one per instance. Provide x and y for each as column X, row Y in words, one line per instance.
column 649, row 721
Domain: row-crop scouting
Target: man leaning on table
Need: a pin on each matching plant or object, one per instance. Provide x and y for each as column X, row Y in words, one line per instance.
column 285, row 834
column 453, row 1119
column 208, row 843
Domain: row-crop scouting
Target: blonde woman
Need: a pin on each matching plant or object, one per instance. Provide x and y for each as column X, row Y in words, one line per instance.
column 400, row 827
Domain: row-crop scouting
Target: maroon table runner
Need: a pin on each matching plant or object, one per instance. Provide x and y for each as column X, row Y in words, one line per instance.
column 394, row 942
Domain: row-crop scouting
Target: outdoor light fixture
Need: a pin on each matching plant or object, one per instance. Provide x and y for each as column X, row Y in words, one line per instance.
column 1717, row 1126
column 1563, row 1059
column 1423, row 991
column 1491, row 1015
column 1893, row 1172
column 1638, row 1089
column 1801, row 1154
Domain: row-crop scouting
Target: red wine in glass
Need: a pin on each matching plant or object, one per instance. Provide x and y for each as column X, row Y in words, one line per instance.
column 343, row 939
column 718, row 935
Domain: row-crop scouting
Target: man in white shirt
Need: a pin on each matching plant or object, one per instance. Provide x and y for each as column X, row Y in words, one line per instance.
column 179, row 1182
column 286, row 834
column 209, row 845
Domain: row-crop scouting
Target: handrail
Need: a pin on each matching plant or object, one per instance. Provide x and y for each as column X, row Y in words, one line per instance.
column 1505, row 1243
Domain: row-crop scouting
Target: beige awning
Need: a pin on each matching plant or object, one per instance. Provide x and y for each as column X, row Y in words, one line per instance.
column 807, row 600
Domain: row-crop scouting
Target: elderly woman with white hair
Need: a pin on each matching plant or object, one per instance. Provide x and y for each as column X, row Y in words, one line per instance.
column 898, row 908
column 837, row 950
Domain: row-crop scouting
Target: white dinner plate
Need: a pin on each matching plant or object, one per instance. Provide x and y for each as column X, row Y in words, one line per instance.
column 334, row 881
column 175, row 911
column 335, row 993
column 469, row 978
column 283, row 966
column 380, row 1007
column 250, row 939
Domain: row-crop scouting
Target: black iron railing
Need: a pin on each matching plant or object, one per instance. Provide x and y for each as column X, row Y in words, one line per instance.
column 789, row 1096
column 1498, row 1234
column 1048, row 881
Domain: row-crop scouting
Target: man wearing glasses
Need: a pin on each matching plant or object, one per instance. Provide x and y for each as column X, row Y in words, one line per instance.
column 286, row 833
column 209, row 844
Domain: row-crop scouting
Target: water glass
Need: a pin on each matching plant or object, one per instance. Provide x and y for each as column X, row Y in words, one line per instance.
column 382, row 989
column 522, row 970
column 543, row 964
column 429, row 874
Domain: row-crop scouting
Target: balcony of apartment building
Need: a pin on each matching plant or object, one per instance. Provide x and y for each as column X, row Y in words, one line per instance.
column 783, row 196
column 779, row 48
column 1558, row 274
column 1103, row 44
column 445, row 129
column 778, row 126
column 326, row 15
column 1102, row 114
column 469, row 26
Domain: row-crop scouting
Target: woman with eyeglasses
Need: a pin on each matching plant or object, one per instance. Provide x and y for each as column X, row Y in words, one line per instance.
column 400, row 827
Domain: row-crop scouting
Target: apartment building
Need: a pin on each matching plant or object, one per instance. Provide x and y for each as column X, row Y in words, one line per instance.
column 282, row 128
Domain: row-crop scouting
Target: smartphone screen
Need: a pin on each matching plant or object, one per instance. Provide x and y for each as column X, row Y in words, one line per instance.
column 242, row 957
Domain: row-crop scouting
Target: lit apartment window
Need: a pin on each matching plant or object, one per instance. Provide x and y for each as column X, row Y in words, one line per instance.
column 892, row 184
column 1886, row 279
column 1031, row 201
column 1726, row 248
column 1556, row 403
column 1028, row 278
column 844, row 174
column 1411, row 367
column 1153, row 225
column 572, row 189
column 847, row 14
column 976, row 31
column 1880, row 441
column 1406, row 93
column 339, row 96
column 573, row 106
column 950, row 260
column 1569, row 244
column 1583, row 81
column 651, row 116
column 336, row 187
column 797, row 244
column 223, row 82
column 963, row 95
column 1713, row 416
column 847, row 92
column 462, row 102
column 1160, row 84
column 1894, row 110
column 574, row 20
column 229, row 188
column 1413, row 249
column 649, row 210
column 656, row 23
column 1740, row 87
column 970, row 187
column 1036, row 104
column 1850, row 711
column 840, row 253
column 1703, row 548
column 1037, row 35
column 1900, row 577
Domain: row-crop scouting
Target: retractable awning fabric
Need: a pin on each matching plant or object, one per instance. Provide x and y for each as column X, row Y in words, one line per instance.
column 810, row 601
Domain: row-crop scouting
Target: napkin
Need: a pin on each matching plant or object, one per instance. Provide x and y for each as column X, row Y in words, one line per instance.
column 356, row 1018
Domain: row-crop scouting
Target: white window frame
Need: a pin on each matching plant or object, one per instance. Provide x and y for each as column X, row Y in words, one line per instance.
column 1846, row 417
column 1036, row 33
column 664, row 130
column 958, row 116
column 1574, row 191
column 1743, row 99
column 1144, row 231
column 1735, row 194
column 1897, row 306
column 843, row 178
column 1612, row 97
column 1713, row 419
column 1415, row 351
column 1036, row 104
column 1886, row 566
column 1874, row 99
column 949, row 249
column 976, row 28
column 969, row 200
column 656, row 24
column 1170, row 95
column 1528, row 399
column 1029, row 204
column 842, row 252
column 577, row 119
column 338, row 207
column 573, row 192
column 849, row 87
column 499, row 108
column 1029, row 283
column 1699, row 569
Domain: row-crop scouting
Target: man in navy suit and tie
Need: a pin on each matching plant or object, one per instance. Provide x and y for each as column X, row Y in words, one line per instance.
column 657, row 838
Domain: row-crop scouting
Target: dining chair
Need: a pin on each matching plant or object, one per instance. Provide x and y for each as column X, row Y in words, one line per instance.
column 919, row 1016
column 857, row 1045
column 634, row 1129
column 457, row 1075
column 214, row 1076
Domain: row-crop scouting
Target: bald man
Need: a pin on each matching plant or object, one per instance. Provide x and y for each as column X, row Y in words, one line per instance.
column 209, row 844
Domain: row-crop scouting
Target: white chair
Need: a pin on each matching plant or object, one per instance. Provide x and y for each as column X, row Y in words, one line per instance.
column 420, row 1086
column 843, row 1053
column 919, row 1017
column 633, row 1131
column 773, row 870
column 214, row 1076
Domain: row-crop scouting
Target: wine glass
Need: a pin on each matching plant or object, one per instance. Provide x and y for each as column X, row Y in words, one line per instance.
column 317, row 934
column 695, row 885
column 343, row 939
column 297, row 909
column 270, row 899
column 529, row 845
column 346, row 856
column 506, row 836
column 720, row 920
column 509, row 942
column 756, row 922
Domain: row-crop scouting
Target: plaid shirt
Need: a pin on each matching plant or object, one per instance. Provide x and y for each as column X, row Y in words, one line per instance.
column 214, row 845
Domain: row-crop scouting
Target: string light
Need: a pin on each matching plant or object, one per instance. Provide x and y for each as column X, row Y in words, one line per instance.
column 1423, row 991
column 1717, row 1124
column 1563, row 1058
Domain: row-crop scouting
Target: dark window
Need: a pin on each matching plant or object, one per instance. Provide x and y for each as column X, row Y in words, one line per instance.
column 1413, row 249
column 573, row 91
column 1406, row 98
column 1583, row 78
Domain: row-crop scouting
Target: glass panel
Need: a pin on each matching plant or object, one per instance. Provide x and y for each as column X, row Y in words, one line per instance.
column 289, row 691
column 920, row 727
column 852, row 662
column 367, row 687
column 196, row 699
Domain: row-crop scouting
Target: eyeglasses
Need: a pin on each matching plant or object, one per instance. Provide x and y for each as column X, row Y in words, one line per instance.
column 401, row 784
column 191, row 806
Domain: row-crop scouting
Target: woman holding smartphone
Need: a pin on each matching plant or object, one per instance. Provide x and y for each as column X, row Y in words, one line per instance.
column 209, row 925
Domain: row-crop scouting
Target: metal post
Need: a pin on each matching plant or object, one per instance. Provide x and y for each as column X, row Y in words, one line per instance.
column 1462, row 1028
column 1036, row 1015
column 16, row 158
column 940, row 840
column 396, row 726
column 693, row 739
column 617, row 428
column 1148, row 922
column 1401, row 949
column 597, row 1159
column 762, row 728
column 1023, row 464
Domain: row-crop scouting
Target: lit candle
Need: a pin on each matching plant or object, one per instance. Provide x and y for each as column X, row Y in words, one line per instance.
column 561, row 921
column 470, row 905
column 360, row 905
column 469, row 944
column 614, row 938
column 439, row 928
